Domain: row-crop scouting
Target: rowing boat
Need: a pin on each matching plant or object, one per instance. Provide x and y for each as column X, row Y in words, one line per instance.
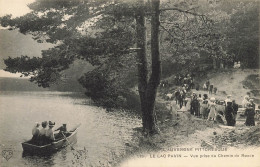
column 71, row 139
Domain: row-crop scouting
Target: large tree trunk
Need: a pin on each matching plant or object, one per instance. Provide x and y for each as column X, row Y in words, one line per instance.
column 147, row 91
column 156, row 69
column 141, row 58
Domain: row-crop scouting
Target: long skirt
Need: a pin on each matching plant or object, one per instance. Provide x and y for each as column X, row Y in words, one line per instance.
column 250, row 120
column 212, row 114
column 230, row 119
column 204, row 111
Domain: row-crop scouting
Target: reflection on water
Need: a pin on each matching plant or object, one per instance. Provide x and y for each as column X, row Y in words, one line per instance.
column 101, row 133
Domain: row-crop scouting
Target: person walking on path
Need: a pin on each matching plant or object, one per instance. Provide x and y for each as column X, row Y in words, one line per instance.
column 211, row 89
column 207, row 84
column 181, row 98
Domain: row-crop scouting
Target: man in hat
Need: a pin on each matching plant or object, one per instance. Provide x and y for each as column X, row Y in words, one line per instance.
column 49, row 132
column 62, row 130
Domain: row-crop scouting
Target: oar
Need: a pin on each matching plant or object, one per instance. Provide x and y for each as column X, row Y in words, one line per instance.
column 67, row 141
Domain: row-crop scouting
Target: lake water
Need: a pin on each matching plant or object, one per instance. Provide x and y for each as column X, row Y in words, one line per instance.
column 102, row 134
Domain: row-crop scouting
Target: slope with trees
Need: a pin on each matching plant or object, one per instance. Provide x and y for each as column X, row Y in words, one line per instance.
column 118, row 36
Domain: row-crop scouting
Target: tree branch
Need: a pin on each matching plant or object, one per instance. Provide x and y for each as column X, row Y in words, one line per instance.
column 168, row 32
column 183, row 11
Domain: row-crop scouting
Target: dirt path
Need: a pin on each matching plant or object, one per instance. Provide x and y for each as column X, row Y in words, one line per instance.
column 188, row 131
column 230, row 82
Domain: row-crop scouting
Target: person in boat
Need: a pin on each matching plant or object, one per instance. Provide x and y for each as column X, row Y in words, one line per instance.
column 42, row 133
column 49, row 132
column 62, row 130
column 35, row 133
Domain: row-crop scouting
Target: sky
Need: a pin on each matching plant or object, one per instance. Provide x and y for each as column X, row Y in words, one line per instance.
column 14, row 7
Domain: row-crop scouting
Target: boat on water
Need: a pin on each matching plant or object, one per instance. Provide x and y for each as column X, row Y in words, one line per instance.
column 70, row 139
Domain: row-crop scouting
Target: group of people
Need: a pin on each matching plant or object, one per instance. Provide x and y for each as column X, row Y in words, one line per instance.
column 185, row 80
column 46, row 135
column 181, row 96
column 212, row 109
column 207, row 86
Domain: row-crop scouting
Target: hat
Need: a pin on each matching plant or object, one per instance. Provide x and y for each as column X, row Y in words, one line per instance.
column 229, row 96
column 251, row 100
column 44, row 123
column 51, row 123
column 212, row 99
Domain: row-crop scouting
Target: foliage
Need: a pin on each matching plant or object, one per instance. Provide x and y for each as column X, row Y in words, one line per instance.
column 101, row 32
column 245, row 45
column 100, row 88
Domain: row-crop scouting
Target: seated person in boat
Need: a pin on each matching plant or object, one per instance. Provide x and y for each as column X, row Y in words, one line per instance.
column 35, row 133
column 62, row 130
column 49, row 132
column 42, row 134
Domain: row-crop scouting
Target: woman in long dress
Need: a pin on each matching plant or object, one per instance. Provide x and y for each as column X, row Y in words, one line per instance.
column 250, row 114
column 35, row 133
column 230, row 114
column 212, row 109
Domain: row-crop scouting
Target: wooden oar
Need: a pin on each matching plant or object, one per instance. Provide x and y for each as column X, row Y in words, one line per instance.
column 67, row 141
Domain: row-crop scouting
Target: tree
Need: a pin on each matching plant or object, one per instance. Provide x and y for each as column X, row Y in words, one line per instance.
column 105, row 33
column 61, row 22
column 244, row 46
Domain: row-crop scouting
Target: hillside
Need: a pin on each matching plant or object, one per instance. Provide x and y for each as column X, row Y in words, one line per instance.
column 18, row 84
column 236, row 82
column 14, row 44
column 69, row 82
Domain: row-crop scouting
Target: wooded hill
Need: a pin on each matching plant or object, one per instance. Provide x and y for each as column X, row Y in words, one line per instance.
column 128, row 43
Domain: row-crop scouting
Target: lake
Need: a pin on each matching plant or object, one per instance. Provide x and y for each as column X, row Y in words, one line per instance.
column 103, row 134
